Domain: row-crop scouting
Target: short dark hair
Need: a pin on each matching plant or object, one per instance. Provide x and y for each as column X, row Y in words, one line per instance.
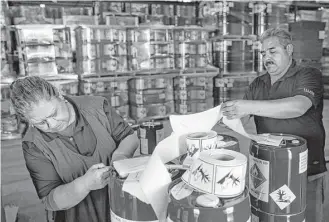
column 283, row 36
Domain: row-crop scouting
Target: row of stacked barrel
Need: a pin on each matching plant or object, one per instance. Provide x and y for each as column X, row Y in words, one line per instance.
column 104, row 49
column 145, row 98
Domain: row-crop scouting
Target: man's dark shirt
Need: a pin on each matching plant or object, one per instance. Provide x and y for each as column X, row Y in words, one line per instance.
column 298, row 80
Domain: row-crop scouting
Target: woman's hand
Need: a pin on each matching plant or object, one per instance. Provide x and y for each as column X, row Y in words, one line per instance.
column 97, row 177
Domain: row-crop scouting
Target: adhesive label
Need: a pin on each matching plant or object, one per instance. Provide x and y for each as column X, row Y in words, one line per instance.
column 181, row 190
column 283, row 196
column 144, row 146
column 116, row 218
column 303, row 161
column 259, row 178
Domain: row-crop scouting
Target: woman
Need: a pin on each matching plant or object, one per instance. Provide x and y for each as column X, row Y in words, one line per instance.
column 69, row 146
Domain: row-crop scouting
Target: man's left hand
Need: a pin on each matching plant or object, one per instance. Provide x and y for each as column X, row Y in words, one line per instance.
column 236, row 109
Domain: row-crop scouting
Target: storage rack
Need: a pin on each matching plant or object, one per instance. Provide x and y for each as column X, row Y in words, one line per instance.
column 220, row 19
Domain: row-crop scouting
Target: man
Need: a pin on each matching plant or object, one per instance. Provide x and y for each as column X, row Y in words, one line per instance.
column 288, row 99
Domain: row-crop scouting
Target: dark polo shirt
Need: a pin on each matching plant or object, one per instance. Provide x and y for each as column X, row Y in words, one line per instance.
column 79, row 138
column 298, row 80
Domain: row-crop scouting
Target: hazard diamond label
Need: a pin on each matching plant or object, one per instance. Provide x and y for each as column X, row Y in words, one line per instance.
column 256, row 176
column 283, row 196
column 259, row 178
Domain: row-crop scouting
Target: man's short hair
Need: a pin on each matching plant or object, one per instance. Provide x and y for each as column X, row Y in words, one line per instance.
column 283, row 36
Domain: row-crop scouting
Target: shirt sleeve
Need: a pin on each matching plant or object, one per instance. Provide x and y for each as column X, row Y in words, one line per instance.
column 309, row 83
column 43, row 173
column 120, row 128
column 248, row 95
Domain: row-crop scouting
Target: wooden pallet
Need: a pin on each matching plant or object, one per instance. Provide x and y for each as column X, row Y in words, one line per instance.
column 108, row 74
column 239, row 74
column 211, row 71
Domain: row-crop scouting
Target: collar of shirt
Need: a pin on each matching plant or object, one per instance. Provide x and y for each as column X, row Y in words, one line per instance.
column 293, row 69
column 79, row 123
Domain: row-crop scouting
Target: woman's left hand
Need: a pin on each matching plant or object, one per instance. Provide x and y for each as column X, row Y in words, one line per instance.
column 236, row 109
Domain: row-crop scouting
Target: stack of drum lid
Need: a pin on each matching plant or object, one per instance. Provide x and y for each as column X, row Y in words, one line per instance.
column 213, row 188
column 278, row 179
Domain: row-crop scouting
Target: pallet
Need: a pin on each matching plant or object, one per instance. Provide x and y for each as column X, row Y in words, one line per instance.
column 235, row 37
column 211, row 71
column 109, row 74
column 155, row 72
column 239, row 74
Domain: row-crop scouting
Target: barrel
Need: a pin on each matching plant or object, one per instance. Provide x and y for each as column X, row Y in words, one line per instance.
column 150, row 134
column 125, row 207
column 200, row 207
column 278, row 180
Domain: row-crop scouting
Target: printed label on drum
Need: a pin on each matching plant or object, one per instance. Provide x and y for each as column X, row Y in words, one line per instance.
column 303, row 161
column 283, row 196
column 142, row 133
column 144, row 146
column 181, row 190
column 259, row 178
column 116, row 218
column 254, row 218
column 159, row 135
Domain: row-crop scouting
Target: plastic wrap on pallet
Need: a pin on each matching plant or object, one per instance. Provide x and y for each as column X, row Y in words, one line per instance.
column 137, row 8
column 114, row 64
column 38, row 68
column 116, row 99
column 38, row 53
column 38, row 34
column 150, row 96
column 90, row 34
column 7, row 71
column 150, row 48
column 163, row 9
column 192, row 94
column 88, row 66
column 67, row 87
column 101, row 86
column 186, row 10
column 64, row 65
column 24, row 15
column 150, row 83
column 199, row 82
column 139, row 112
column 122, row 20
column 193, row 106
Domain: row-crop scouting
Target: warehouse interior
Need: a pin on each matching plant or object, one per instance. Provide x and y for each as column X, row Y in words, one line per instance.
column 118, row 49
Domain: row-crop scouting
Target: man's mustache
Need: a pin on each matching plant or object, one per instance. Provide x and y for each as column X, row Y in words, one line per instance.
column 269, row 62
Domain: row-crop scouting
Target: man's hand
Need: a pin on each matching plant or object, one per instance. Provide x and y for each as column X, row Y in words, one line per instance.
column 236, row 109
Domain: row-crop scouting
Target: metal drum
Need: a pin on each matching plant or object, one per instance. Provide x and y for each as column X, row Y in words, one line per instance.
column 200, row 207
column 125, row 207
column 227, row 142
column 278, row 179
column 150, row 134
